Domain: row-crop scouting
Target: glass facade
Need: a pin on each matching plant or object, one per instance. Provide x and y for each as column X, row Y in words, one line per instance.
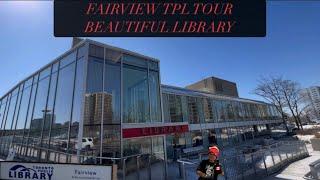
column 141, row 91
column 201, row 110
column 172, row 108
column 213, row 110
column 38, row 112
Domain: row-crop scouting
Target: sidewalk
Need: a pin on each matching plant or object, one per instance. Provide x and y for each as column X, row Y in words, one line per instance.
column 298, row 169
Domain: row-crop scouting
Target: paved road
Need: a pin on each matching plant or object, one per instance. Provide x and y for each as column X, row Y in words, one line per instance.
column 298, row 169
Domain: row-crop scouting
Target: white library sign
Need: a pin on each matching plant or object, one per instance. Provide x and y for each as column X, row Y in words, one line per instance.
column 25, row 171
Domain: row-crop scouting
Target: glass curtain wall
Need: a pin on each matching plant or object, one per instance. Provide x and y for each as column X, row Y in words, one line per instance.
column 112, row 102
column 93, row 106
column 21, row 116
column 38, row 112
column 7, row 125
column 141, row 91
column 103, row 103
column 172, row 105
column 193, row 110
column 136, row 94
column 141, row 98
column 208, row 109
column 63, row 104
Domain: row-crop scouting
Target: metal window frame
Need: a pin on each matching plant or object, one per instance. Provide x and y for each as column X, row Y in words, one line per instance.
column 18, row 112
column 53, row 107
column 6, row 131
column 27, row 114
column 47, row 65
column 45, row 110
column 121, row 106
column 36, row 84
column 149, row 99
column 102, row 101
column 4, row 121
column 82, row 105
column 72, row 100
column 15, row 111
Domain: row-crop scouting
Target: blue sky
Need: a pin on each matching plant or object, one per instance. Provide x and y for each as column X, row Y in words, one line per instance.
column 291, row 48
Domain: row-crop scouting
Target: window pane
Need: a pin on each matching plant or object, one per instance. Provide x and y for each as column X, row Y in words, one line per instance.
column 77, row 103
column 113, row 55
column 39, row 111
column 49, row 116
column 10, row 122
column 230, row 112
column 13, row 127
column 55, row 67
column 220, row 110
column 154, row 96
column 112, row 92
column 27, row 83
column 136, row 146
column 208, row 113
column 68, row 59
column 81, row 51
column 135, row 91
column 132, row 60
column 10, row 114
column 175, row 108
column 22, row 115
column 193, row 110
column 96, row 51
column 62, row 110
column 166, row 113
column 93, row 106
column 236, row 109
column 153, row 65
column 111, row 141
column 224, row 137
column 95, row 75
column 30, row 110
column 46, row 72
column 2, row 111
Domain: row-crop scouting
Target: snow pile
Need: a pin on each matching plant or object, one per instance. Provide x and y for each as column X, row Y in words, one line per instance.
column 305, row 138
column 311, row 127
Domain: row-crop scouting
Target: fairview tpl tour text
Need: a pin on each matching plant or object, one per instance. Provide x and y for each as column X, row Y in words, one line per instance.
column 196, row 8
column 159, row 17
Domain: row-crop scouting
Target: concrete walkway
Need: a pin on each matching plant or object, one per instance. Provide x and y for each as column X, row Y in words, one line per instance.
column 298, row 169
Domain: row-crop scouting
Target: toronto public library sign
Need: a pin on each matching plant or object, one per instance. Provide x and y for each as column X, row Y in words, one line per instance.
column 156, row 18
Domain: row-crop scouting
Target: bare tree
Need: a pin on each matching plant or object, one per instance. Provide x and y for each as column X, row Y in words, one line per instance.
column 270, row 90
column 290, row 91
column 285, row 95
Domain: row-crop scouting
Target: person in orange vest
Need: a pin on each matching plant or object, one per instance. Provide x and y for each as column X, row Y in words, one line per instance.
column 210, row 169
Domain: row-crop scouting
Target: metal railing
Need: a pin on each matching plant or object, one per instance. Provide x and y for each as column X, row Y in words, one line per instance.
column 262, row 163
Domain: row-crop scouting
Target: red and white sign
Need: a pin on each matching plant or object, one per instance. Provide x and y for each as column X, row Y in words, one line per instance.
column 150, row 131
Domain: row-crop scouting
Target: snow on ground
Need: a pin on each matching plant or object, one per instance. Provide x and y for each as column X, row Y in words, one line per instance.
column 310, row 126
column 298, row 169
column 305, row 138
